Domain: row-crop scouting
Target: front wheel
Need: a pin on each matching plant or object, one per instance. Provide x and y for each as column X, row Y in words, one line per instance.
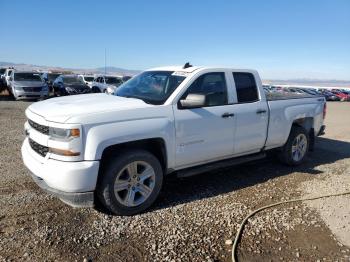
column 95, row 89
column 293, row 153
column 130, row 182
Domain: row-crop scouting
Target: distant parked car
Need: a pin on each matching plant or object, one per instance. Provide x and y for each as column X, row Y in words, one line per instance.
column 267, row 88
column 343, row 96
column 70, row 85
column 2, row 83
column 6, row 76
column 88, row 79
column 294, row 90
column 126, row 78
column 310, row 91
column 50, row 78
column 106, row 84
column 329, row 95
column 346, row 91
column 276, row 89
column 27, row 85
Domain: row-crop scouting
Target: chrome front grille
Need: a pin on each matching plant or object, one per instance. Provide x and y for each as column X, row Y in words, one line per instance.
column 40, row 128
column 41, row 150
column 32, row 89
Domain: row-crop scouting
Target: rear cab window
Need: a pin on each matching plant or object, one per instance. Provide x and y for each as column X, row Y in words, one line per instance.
column 246, row 88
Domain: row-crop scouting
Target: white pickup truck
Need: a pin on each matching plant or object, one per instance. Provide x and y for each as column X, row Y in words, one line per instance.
column 183, row 120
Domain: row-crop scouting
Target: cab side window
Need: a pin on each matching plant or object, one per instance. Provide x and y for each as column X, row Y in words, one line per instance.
column 247, row 91
column 213, row 86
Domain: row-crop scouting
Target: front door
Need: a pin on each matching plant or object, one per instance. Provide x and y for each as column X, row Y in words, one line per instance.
column 205, row 134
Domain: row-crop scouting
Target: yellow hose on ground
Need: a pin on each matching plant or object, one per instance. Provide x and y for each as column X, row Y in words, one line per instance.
column 240, row 230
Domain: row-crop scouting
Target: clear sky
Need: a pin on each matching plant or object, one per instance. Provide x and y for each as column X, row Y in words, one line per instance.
column 281, row 38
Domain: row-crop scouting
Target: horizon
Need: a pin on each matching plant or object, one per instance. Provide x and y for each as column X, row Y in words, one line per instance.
column 282, row 40
column 290, row 80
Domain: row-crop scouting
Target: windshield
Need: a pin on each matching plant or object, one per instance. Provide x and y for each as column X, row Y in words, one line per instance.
column 88, row 78
column 152, row 87
column 126, row 78
column 112, row 80
column 27, row 77
column 52, row 77
column 2, row 70
column 73, row 80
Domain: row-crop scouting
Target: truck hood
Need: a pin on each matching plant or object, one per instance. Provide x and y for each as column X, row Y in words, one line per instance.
column 62, row 108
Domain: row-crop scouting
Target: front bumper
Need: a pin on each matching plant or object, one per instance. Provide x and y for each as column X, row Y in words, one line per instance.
column 73, row 182
column 21, row 94
column 85, row 199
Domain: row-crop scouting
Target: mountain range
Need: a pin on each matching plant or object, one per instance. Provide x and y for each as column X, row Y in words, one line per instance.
column 111, row 70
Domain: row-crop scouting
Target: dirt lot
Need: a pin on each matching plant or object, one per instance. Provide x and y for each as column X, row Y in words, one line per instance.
column 193, row 217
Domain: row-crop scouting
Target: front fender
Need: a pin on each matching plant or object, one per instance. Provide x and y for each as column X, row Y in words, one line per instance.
column 99, row 137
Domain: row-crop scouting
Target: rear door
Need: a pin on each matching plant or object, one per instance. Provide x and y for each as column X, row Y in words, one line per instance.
column 251, row 113
column 205, row 134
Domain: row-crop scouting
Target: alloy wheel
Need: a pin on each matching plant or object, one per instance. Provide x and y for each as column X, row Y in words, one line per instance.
column 134, row 183
column 299, row 147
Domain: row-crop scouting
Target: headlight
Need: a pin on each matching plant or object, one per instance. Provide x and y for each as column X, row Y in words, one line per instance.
column 110, row 90
column 64, row 142
column 18, row 87
column 63, row 134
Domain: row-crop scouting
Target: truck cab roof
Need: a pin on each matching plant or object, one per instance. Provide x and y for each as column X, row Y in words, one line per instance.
column 198, row 69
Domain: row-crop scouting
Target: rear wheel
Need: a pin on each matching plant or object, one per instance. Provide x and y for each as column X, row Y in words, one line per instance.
column 293, row 153
column 130, row 182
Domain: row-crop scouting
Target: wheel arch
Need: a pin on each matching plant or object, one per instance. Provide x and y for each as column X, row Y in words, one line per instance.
column 156, row 146
column 307, row 123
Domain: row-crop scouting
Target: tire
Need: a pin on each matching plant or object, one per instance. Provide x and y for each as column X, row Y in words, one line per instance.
column 12, row 96
column 293, row 153
column 96, row 90
column 130, row 199
column 56, row 92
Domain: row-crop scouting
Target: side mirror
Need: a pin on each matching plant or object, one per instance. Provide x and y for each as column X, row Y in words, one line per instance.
column 193, row 101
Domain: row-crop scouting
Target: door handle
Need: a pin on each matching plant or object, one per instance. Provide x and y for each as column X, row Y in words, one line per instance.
column 261, row 111
column 226, row 115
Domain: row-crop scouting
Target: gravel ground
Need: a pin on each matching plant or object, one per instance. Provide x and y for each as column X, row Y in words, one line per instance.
column 193, row 219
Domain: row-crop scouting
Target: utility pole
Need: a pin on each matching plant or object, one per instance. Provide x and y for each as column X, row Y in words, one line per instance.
column 105, row 61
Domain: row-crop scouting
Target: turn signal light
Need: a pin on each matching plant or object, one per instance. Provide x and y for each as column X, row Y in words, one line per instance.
column 63, row 152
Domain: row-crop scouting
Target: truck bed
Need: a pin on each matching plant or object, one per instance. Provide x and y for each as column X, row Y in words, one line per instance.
column 284, row 108
column 284, row 95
